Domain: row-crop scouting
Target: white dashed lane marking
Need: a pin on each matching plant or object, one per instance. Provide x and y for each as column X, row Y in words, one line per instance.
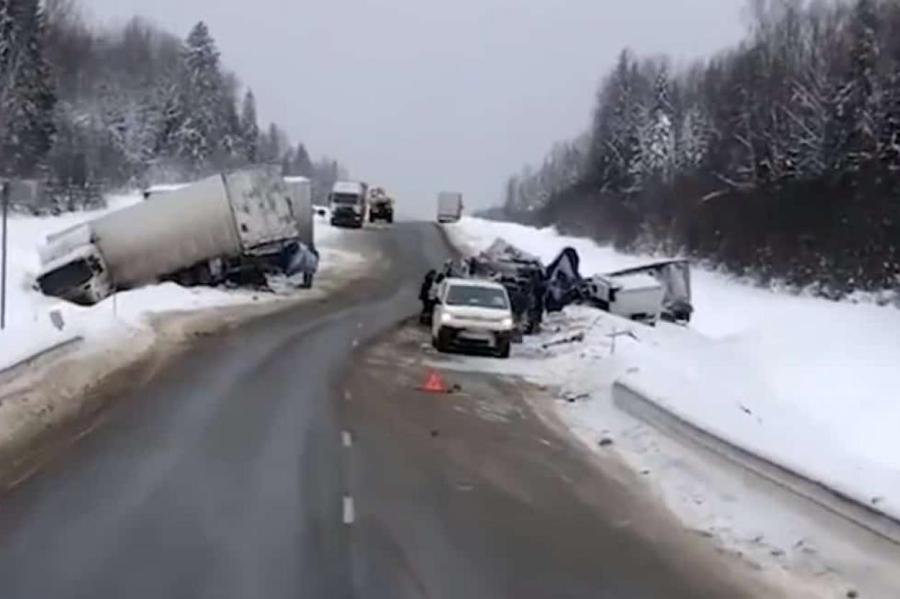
column 349, row 511
column 347, row 439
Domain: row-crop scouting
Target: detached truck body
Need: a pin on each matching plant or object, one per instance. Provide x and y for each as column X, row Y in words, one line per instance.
column 348, row 204
column 300, row 196
column 450, row 207
column 206, row 232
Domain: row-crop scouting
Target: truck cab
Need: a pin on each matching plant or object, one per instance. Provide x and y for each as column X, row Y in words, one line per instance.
column 348, row 204
column 79, row 276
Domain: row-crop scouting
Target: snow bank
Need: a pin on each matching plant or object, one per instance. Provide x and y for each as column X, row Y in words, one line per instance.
column 808, row 382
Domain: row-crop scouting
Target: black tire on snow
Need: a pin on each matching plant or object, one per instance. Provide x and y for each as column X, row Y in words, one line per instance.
column 443, row 343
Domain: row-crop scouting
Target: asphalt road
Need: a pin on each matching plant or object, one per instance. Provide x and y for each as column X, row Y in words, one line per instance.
column 293, row 457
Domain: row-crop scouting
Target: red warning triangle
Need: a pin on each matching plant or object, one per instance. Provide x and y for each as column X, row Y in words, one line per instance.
column 435, row 383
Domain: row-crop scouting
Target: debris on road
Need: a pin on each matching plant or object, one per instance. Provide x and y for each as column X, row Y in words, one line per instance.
column 577, row 338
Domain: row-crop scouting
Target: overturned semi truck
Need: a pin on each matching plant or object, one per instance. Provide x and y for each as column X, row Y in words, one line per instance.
column 230, row 227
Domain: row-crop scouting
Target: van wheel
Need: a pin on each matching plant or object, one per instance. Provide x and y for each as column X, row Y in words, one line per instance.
column 504, row 348
column 442, row 342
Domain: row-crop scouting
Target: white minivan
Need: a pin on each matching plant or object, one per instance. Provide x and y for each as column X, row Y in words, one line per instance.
column 472, row 314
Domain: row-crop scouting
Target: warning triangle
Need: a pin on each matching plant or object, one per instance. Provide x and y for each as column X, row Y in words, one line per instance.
column 435, row 383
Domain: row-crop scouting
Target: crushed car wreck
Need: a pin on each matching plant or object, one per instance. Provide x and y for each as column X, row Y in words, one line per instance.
column 648, row 293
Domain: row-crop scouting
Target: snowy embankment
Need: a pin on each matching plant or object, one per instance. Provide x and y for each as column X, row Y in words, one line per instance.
column 805, row 382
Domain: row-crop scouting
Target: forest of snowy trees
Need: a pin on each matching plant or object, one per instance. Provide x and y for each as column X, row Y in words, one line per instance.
column 84, row 110
column 779, row 159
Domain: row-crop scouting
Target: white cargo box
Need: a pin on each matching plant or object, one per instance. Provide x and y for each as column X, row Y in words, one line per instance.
column 262, row 207
column 637, row 297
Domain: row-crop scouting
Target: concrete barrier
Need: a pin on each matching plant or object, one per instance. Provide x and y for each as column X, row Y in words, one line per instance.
column 631, row 399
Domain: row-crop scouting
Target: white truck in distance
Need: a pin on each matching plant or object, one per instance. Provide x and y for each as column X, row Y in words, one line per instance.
column 450, row 207
column 472, row 313
column 224, row 227
column 348, row 201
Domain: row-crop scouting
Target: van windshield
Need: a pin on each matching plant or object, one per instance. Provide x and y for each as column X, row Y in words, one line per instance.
column 478, row 297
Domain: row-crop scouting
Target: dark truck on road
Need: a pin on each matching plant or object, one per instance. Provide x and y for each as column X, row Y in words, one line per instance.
column 381, row 206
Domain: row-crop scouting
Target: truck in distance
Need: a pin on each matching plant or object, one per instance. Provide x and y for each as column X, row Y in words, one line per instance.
column 233, row 226
column 381, row 206
column 348, row 201
column 450, row 207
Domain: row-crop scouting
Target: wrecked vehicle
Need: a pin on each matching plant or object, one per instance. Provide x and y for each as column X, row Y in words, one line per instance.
column 635, row 297
column 523, row 277
column 675, row 278
column 229, row 227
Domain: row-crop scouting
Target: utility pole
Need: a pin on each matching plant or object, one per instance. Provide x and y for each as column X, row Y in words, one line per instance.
column 4, row 193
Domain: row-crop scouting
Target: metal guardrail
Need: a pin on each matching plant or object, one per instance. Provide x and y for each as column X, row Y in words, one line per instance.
column 632, row 400
column 40, row 354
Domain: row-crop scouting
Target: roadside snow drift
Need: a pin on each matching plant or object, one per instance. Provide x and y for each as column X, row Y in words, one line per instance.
column 809, row 383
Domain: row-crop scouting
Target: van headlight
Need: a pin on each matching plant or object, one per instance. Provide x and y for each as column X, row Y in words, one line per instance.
column 446, row 318
column 507, row 323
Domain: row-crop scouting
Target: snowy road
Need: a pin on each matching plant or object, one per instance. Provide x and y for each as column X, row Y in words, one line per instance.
column 266, row 463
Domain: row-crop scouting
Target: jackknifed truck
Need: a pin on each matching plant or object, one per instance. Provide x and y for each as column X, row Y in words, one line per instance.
column 229, row 227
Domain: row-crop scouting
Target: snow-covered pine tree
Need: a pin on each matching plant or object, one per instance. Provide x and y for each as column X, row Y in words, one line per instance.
column 857, row 102
column 658, row 139
column 203, row 128
column 302, row 163
column 250, row 127
column 26, row 93
column 694, row 139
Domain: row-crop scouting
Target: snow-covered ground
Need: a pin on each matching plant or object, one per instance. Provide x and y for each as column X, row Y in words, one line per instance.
column 29, row 326
column 809, row 383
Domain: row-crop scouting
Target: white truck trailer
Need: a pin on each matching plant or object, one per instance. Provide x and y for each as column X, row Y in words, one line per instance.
column 217, row 228
column 449, row 207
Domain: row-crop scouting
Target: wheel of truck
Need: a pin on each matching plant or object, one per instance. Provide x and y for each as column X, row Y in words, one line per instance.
column 390, row 219
column 504, row 348
column 203, row 275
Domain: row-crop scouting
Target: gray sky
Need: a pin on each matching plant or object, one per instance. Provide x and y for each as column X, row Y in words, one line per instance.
column 423, row 95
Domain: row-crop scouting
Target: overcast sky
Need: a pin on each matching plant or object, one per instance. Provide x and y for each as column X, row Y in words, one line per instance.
column 424, row 95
